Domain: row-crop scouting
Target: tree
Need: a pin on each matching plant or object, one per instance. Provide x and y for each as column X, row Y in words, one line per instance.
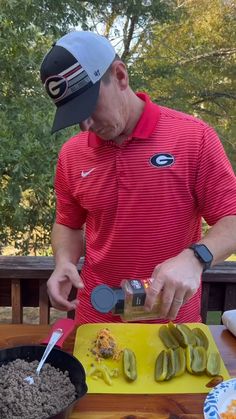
column 190, row 65
column 180, row 51
column 28, row 152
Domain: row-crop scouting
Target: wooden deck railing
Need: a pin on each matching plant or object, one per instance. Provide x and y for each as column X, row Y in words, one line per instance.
column 23, row 284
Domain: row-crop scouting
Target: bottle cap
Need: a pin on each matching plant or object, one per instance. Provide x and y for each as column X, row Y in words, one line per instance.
column 103, row 298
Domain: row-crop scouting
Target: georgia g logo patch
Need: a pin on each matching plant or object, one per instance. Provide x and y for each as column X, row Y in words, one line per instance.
column 56, row 87
column 162, row 160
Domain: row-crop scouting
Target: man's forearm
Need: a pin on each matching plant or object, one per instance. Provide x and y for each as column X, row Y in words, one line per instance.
column 67, row 244
column 221, row 239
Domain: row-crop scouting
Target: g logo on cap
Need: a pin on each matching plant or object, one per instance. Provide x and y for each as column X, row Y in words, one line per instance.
column 56, row 87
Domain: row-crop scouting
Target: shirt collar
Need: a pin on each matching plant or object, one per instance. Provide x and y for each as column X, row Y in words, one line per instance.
column 144, row 127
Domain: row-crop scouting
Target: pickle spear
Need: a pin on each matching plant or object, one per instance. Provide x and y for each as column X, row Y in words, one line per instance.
column 199, row 360
column 180, row 361
column 190, row 337
column 170, row 364
column 213, row 364
column 189, row 358
column 178, row 335
column 161, row 366
column 129, row 364
column 201, row 337
column 167, row 338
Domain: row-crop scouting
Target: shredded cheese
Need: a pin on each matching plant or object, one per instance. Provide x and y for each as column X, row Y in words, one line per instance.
column 105, row 345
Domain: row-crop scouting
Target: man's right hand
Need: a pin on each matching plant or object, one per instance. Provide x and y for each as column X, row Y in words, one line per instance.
column 59, row 286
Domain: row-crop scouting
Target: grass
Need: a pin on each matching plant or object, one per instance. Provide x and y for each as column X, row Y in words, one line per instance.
column 214, row 317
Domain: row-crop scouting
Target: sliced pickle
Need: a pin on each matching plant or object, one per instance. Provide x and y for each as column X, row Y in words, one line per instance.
column 190, row 337
column 199, row 360
column 213, row 364
column 189, row 358
column 178, row 335
column 161, row 366
column 201, row 337
column 180, row 361
column 167, row 338
column 170, row 364
column 198, row 340
column 129, row 364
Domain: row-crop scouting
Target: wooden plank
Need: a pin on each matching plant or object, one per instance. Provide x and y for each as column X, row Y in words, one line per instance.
column 17, row 309
column 42, row 267
column 223, row 272
column 132, row 415
column 38, row 267
column 44, row 305
column 205, row 301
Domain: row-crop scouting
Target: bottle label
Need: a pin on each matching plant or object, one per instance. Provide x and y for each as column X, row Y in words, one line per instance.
column 139, row 294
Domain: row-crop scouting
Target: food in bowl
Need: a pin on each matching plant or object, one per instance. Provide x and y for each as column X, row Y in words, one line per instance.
column 51, row 392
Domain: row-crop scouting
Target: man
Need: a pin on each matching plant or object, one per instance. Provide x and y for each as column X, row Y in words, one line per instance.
column 140, row 177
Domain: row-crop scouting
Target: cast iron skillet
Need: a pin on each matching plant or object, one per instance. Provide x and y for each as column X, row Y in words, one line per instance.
column 57, row 358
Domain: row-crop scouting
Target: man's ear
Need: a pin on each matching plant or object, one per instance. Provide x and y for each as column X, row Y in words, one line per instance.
column 120, row 73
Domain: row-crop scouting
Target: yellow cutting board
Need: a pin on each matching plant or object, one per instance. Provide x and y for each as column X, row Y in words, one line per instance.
column 144, row 340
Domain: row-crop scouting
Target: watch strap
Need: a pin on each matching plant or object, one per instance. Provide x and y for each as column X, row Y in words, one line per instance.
column 203, row 254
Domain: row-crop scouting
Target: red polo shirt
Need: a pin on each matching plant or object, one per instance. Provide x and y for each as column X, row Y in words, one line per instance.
column 143, row 200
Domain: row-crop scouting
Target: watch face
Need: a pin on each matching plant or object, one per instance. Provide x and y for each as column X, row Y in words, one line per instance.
column 204, row 253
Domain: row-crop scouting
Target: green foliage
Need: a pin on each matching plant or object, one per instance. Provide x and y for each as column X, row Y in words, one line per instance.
column 181, row 52
column 190, row 65
column 27, row 150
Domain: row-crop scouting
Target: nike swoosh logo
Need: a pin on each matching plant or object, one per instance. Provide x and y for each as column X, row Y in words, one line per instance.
column 85, row 174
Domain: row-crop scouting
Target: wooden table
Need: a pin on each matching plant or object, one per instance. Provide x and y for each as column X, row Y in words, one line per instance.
column 97, row 406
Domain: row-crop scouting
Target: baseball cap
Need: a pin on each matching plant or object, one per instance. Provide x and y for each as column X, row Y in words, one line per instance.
column 71, row 73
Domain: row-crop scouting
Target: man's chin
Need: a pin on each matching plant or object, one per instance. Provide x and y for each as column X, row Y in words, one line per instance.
column 111, row 136
column 105, row 137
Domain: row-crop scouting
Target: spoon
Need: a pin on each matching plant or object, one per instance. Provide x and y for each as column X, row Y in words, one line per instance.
column 56, row 335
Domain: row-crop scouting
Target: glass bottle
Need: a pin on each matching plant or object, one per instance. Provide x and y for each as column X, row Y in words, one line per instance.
column 127, row 301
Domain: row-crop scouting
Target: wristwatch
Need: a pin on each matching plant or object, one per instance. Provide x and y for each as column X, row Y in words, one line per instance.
column 203, row 254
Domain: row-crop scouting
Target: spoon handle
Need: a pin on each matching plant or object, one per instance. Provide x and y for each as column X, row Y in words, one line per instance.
column 56, row 335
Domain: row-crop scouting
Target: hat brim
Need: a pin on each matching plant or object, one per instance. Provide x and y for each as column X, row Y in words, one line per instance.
column 77, row 109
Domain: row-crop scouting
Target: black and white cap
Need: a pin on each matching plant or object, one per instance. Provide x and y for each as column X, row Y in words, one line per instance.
column 71, row 73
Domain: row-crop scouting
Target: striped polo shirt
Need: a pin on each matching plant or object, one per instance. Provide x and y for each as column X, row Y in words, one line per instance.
column 142, row 201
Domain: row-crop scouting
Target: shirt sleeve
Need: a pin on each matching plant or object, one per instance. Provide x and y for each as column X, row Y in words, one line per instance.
column 68, row 210
column 215, row 181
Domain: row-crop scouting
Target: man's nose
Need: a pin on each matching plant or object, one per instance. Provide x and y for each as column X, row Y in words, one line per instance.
column 86, row 124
